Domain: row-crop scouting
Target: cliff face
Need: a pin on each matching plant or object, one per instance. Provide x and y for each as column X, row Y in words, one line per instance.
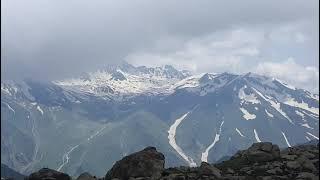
column 261, row 161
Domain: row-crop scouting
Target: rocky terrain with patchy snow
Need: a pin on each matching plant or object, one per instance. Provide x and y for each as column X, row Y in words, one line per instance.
column 121, row 109
column 261, row 161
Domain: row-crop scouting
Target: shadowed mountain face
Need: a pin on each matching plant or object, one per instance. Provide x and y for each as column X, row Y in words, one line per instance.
column 88, row 123
column 7, row 172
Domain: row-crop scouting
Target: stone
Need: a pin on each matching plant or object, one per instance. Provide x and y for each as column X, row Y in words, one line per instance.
column 46, row 174
column 307, row 175
column 293, row 165
column 207, row 169
column 289, row 157
column 86, row 176
column 276, row 170
column 259, row 156
column 146, row 163
column 309, row 155
column 262, row 152
column 306, row 164
column 231, row 171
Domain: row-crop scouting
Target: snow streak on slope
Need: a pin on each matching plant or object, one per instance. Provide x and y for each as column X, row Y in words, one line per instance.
column 256, row 135
column 239, row 132
column 308, row 138
column 313, row 136
column 286, row 85
column 40, row 110
column 172, row 140
column 306, row 125
column 247, row 115
column 275, row 105
column 300, row 114
column 36, row 146
column 95, row 134
column 10, row 108
column 204, row 155
column 66, row 158
column 285, row 138
column 269, row 114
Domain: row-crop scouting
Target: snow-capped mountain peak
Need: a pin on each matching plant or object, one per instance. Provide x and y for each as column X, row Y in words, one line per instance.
column 126, row 80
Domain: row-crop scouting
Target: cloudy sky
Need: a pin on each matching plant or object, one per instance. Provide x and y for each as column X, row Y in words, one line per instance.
column 54, row 39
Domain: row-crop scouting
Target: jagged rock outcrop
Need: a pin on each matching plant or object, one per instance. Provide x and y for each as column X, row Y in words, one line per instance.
column 86, row 176
column 261, row 161
column 46, row 174
column 146, row 163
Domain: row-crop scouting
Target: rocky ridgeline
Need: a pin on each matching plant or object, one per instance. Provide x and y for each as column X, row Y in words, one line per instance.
column 262, row 161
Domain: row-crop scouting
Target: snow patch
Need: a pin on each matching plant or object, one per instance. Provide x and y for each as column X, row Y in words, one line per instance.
column 172, row 140
column 313, row 135
column 247, row 115
column 286, row 85
column 256, row 135
column 285, row 138
column 299, row 114
column 306, row 125
column 251, row 98
column 40, row 110
column 95, row 134
column 10, row 108
column 204, row 155
column 269, row 114
column 5, row 90
column 274, row 104
column 239, row 132
column 302, row 105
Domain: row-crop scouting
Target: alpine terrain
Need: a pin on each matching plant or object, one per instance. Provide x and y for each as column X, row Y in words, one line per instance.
column 88, row 123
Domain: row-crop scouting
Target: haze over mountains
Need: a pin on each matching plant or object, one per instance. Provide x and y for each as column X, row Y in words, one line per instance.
column 87, row 123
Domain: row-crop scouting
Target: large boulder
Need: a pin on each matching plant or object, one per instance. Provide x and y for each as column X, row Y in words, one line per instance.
column 146, row 163
column 209, row 170
column 46, row 173
column 262, row 152
column 86, row 176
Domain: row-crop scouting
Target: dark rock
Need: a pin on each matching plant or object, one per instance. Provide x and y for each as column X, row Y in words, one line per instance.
column 289, row 157
column 306, row 164
column 262, row 152
column 293, row 165
column 307, row 175
column 146, row 163
column 207, row 169
column 86, row 176
column 46, row 174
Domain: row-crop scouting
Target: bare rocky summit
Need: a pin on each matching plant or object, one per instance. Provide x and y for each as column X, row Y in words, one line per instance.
column 262, row 161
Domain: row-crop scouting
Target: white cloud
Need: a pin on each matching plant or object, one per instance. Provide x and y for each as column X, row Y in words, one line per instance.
column 300, row 38
column 305, row 77
column 217, row 52
column 241, row 50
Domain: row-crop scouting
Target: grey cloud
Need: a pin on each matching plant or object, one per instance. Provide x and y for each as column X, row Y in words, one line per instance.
column 48, row 39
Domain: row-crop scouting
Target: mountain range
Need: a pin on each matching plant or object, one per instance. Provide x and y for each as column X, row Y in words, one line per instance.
column 88, row 123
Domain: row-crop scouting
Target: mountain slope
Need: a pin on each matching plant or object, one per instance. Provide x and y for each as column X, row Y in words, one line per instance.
column 7, row 172
column 88, row 123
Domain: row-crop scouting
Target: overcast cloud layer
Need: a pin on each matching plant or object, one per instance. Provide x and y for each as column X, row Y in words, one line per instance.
column 48, row 39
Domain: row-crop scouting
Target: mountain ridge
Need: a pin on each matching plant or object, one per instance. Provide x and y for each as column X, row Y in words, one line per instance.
column 89, row 125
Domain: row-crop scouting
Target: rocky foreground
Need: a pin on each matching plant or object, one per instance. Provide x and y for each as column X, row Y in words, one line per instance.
column 262, row 161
